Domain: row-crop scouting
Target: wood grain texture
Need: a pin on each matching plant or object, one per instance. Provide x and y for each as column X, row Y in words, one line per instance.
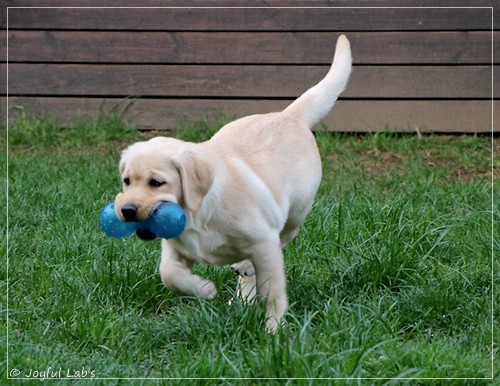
column 251, row 81
column 250, row 3
column 247, row 47
column 417, row 63
column 329, row 18
column 346, row 116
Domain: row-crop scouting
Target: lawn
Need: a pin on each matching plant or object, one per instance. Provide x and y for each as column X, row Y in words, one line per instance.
column 390, row 277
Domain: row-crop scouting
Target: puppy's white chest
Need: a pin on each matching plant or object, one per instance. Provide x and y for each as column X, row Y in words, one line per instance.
column 209, row 247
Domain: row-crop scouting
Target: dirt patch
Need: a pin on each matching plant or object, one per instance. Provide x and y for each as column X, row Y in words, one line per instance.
column 460, row 164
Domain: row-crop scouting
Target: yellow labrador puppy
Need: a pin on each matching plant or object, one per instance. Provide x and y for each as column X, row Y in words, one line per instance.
column 246, row 192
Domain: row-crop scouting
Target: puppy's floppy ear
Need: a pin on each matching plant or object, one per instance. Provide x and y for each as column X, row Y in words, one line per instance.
column 123, row 160
column 196, row 178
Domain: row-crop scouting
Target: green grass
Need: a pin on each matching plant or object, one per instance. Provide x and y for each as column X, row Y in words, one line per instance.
column 389, row 278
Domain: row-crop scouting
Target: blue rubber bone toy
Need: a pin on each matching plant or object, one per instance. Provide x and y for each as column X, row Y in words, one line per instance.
column 167, row 221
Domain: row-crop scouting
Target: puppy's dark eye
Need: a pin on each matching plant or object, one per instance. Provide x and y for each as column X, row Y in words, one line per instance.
column 155, row 183
column 126, row 181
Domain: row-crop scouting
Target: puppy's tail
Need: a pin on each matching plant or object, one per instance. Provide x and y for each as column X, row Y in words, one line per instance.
column 315, row 103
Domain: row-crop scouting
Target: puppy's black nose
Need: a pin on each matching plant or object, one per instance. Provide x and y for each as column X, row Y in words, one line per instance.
column 129, row 211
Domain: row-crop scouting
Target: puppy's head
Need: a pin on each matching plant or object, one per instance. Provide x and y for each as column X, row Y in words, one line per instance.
column 161, row 169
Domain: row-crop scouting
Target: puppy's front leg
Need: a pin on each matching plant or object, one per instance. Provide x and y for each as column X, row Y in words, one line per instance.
column 271, row 281
column 176, row 274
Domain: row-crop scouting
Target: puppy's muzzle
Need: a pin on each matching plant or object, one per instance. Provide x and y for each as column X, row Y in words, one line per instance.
column 129, row 212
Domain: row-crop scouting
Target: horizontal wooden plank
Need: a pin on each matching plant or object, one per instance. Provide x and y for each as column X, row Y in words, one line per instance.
column 249, row 3
column 470, row 82
column 247, row 47
column 347, row 116
column 252, row 19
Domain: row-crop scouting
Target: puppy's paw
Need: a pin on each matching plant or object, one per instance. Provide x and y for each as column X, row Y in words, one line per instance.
column 206, row 290
column 272, row 326
column 243, row 268
column 246, row 289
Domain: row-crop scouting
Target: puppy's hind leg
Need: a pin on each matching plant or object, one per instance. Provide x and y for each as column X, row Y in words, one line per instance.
column 176, row 274
column 247, row 283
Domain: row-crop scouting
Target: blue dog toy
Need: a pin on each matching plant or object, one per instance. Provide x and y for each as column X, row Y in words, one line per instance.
column 167, row 221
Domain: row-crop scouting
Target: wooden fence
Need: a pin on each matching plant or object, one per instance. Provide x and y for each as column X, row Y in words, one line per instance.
column 427, row 69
